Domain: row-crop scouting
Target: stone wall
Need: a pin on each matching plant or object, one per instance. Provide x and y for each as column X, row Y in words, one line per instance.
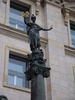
column 2, row 12
column 62, row 80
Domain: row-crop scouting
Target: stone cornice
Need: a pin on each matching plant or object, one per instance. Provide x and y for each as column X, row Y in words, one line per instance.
column 9, row 31
column 69, row 50
column 36, row 0
column 70, row 1
column 54, row 2
column 69, row 6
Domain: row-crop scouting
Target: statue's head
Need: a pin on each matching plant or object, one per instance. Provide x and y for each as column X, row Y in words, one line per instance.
column 33, row 18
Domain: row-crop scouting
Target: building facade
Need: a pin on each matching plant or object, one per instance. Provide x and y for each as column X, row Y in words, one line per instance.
column 58, row 46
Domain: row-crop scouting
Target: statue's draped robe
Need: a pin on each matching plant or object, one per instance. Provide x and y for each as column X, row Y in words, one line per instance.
column 33, row 33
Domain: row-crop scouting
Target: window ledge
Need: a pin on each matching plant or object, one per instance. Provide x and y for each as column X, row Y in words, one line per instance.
column 17, row 88
column 16, row 33
column 69, row 50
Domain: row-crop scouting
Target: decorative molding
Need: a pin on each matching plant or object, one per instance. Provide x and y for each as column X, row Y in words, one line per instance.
column 57, row 1
column 37, row 69
column 38, row 3
column 68, row 9
column 69, row 1
column 54, row 2
column 37, row 0
column 17, row 51
column 66, row 15
column 7, row 30
column 69, row 50
column 5, row 1
column 17, row 88
column 37, row 6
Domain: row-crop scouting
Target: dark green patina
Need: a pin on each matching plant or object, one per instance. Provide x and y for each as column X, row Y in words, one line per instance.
column 33, row 33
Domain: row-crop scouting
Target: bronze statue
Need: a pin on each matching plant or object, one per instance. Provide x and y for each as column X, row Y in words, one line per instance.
column 33, row 32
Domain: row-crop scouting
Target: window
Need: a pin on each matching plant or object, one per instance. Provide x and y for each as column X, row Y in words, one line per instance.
column 16, row 68
column 72, row 26
column 16, row 20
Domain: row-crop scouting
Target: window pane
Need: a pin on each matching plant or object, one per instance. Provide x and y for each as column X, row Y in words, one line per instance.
column 21, row 26
column 73, row 34
column 11, row 79
column 16, row 65
column 20, row 81
column 16, row 19
column 15, row 16
column 12, row 24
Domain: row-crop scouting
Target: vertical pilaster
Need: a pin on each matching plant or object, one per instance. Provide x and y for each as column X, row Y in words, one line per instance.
column 7, row 11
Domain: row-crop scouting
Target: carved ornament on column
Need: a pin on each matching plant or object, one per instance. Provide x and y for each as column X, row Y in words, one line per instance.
column 37, row 65
column 37, row 69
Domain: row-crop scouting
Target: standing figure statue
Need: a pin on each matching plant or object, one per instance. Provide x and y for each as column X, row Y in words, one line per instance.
column 33, row 32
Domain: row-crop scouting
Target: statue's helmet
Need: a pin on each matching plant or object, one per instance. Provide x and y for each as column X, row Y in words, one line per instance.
column 33, row 18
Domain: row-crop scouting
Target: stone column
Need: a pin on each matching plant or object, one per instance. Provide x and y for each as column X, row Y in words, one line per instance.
column 37, row 88
column 36, row 73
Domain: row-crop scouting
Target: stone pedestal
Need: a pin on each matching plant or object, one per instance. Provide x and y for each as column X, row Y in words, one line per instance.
column 36, row 74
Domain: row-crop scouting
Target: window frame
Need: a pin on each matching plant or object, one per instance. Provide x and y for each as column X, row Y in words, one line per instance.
column 71, row 21
column 16, row 51
column 17, row 74
column 71, row 28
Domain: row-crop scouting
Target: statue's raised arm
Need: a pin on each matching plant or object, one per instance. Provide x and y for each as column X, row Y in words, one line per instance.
column 26, row 18
column 26, row 21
